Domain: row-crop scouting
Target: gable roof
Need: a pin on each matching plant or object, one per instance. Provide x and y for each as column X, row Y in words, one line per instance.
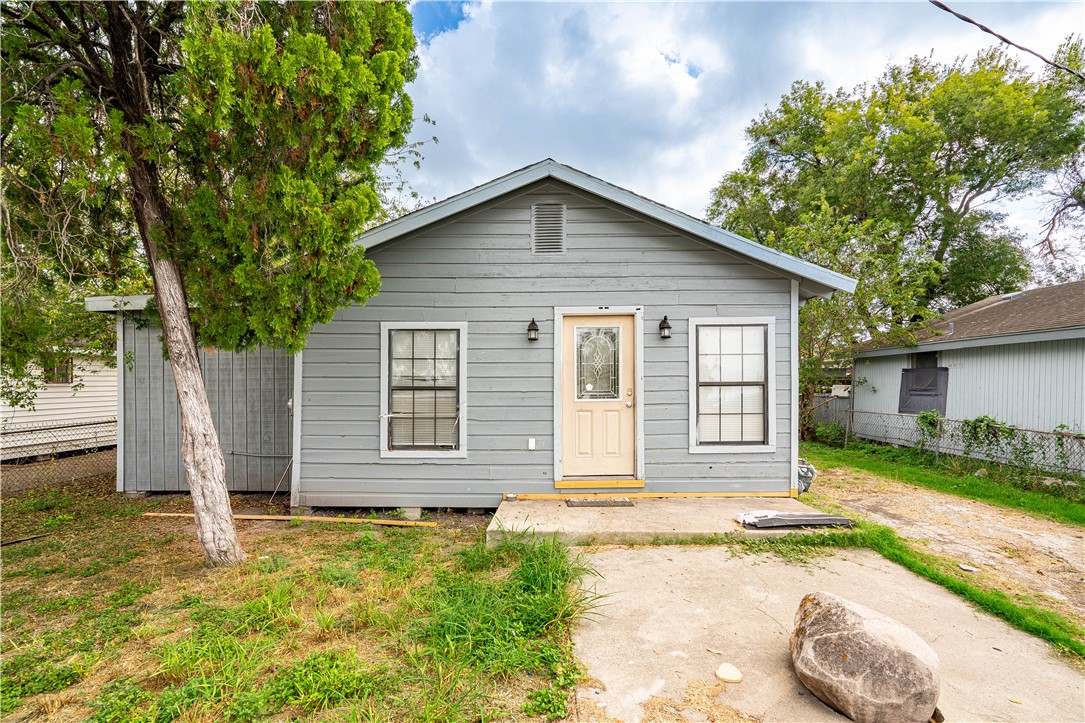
column 813, row 279
column 1037, row 314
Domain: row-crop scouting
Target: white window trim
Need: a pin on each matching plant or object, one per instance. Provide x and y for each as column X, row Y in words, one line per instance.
column 770, row 384
column 461, row 453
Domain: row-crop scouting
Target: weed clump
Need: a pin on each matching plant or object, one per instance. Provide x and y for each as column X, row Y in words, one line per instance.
column 502, row 624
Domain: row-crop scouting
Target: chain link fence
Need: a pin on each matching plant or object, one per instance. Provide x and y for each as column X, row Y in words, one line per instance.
column 38, row 455
column 1059, row 452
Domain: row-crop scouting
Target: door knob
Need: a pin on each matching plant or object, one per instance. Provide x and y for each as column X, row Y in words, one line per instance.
column 629, row 404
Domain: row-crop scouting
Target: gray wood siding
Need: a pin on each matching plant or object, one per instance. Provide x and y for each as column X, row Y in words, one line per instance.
column 877, row 383
column 248, row 394
column 479, row 268
column 1038, row 385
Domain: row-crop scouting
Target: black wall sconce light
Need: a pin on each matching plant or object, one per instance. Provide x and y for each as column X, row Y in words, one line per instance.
column 532, row 331
column 664, row 329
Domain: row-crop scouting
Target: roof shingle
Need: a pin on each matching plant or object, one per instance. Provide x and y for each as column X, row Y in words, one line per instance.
column 1043, row 309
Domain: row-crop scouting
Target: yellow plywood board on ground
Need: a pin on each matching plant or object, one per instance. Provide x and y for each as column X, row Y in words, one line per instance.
column 306, row 518
column 587, row 484
column 639, row 495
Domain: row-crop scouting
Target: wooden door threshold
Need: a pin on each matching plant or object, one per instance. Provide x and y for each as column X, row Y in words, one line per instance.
column 588, row 484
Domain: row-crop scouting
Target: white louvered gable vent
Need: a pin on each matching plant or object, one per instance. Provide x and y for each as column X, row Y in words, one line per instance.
column 548, row 228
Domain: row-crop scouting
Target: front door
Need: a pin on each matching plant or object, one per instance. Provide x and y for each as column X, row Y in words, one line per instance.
column 598, row 396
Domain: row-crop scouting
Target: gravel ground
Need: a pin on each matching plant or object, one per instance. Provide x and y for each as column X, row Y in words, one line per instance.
column 1019, row 554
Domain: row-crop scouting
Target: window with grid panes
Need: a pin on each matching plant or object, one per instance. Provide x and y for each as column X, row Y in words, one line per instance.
column 61, row 373
column 732, row 389
column 424, row 389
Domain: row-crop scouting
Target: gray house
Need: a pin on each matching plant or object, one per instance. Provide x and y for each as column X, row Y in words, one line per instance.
column 548, row 332
column 544, row 333
column 1019, row 358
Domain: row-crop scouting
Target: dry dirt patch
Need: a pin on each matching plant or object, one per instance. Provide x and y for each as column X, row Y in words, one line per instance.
column 1042, row 561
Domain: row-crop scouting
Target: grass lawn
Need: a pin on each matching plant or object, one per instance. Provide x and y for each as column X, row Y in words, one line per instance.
column 1002, row 486
column 114, row 617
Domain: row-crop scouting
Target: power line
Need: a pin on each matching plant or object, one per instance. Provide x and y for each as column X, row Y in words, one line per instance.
column 1003, row 38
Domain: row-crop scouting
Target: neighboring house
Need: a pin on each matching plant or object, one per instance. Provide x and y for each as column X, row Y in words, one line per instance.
column 548, row 332
column 1018, row 358
column 74, row 411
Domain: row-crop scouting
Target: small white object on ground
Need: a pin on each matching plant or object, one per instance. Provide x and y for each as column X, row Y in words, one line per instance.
column 968, row 568
column 729, row 673
column 751, row 517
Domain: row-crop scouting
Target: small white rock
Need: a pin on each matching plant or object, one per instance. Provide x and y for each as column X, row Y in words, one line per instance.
column 968, row 568
column 728, row 673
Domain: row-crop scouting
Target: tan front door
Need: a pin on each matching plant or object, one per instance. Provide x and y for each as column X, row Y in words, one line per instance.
column 598, row 396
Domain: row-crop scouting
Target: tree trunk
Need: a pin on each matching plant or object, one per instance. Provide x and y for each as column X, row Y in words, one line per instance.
column 115, row 49
column 205, row 467
column 807, row 424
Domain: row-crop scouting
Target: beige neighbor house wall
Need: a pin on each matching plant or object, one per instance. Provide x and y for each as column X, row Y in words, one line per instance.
column 65, row 417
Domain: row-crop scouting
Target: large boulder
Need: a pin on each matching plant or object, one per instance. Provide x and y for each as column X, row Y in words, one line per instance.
column 862, row 663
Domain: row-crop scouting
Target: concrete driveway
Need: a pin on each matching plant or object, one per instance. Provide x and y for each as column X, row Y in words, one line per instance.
column 671, row 615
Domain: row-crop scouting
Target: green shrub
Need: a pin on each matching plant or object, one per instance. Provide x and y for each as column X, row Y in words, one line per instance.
column 503, row 625
column 122, row 702
column 339, row 576
column 31, row 673
column 831, row 434
column 326, row 680
column 174, row 701
column 929, row 423
column 272, row 563
column 550, row 702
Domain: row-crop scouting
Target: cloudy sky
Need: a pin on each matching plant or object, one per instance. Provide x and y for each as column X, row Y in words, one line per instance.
column 654, row 96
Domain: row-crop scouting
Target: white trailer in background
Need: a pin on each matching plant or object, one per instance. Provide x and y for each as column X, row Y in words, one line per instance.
column 75, row 411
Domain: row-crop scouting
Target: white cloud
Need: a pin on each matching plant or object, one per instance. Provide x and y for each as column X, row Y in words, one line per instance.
column 653, row 97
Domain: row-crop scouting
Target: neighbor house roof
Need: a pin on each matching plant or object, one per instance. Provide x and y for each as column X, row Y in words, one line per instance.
column 1047, row 313
column 813, row 279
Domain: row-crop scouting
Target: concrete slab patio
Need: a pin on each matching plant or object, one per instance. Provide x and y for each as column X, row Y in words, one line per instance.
column 671, row 615
column 647, row 520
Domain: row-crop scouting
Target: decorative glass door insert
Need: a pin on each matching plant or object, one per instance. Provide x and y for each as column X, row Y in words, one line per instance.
column 598, row 362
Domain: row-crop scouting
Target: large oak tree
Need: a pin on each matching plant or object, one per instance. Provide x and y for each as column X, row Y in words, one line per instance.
column 231, row 147
column 893, row 183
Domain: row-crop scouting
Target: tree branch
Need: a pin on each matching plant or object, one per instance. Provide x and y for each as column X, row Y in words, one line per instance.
column 81, row 36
